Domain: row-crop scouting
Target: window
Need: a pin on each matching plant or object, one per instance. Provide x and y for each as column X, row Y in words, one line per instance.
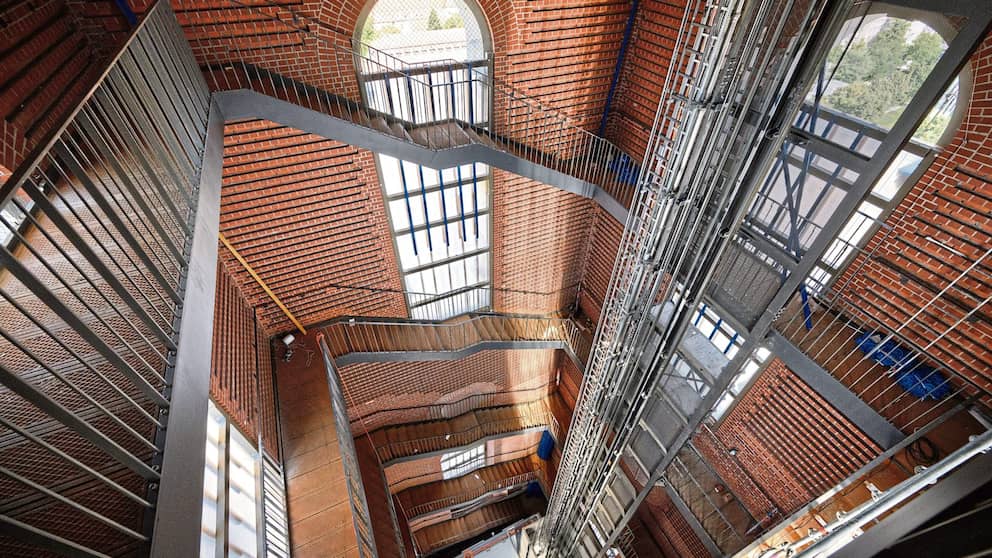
column 877, row 64
column 456, row 464
column 421, row 62
column 424, row 30
column 440, row 222
column 232, row 494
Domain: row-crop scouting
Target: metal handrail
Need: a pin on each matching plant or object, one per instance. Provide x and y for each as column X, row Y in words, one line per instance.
column 102, row 212
column 361, row 516
column 399, row 485
column 405, row 448
column 469, row 495
column 523, row 126
column 441, row 543
column 358, row 47
column 368, row 336
column 447, row 410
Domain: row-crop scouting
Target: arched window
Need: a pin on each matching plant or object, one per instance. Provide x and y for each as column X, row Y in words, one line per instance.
column 878, row 63
column 426, row 63
column 417, row 31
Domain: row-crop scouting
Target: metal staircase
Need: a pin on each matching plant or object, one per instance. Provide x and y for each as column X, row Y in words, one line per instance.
column 413, row 116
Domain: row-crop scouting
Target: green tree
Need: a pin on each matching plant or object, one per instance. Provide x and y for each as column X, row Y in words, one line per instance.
column 454, row 22
column 884, row 73
column 888, row 49
column 922, row 56
column 932, row 128
column 859, row 99
column 368, row 32
column 433, row 20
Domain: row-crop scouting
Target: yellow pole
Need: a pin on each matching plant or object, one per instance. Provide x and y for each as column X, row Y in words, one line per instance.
column 262, row 284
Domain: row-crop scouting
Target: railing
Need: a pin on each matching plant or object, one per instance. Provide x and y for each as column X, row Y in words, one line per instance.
column 450, row 540
column 398, row 485
column 441, row 411
column 102, row 215
column 858, row 501
column 433, row 113
column 500, row 537
column 391, row 450
column 367, row 336
column 470, row 495
column 361, row 518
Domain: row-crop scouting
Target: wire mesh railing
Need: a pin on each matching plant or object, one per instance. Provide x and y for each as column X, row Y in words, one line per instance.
column 355, row 335
column 441, row 106
column 495, row 515
column 98, row 225
column 398, row 484
column 380, row 418
column 418, row 443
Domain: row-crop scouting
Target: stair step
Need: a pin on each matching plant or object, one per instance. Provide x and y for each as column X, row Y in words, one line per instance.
column 399, row 131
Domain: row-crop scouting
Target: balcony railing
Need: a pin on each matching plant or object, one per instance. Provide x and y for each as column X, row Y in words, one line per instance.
column 102, row 213
column 429, row 106
column 391, row 450
column 510, row 483
column 351, row 336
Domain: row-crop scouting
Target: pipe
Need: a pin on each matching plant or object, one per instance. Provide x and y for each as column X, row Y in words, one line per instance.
column 261, row 283
column 627, row 31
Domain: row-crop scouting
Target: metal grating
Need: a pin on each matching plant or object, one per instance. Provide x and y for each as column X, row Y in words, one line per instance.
column 97, row 225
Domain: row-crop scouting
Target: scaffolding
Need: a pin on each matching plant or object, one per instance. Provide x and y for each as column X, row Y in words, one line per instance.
column 718, row 126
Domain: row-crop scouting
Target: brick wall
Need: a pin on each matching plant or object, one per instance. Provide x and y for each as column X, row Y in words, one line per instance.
column 941, row 228
column 378, row 386
column 308, row 215
column 564, row 53
column 539, row 244
column 645, row 66
column 241, row 375
column 604, row 242
column 790, row 441
column 669, row 529
column 749, row 493
column 48, row 64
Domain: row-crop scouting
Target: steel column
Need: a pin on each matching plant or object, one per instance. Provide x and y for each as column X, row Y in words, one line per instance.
column 180, row 495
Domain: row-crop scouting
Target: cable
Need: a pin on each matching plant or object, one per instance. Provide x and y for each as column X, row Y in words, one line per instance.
column 923, row 452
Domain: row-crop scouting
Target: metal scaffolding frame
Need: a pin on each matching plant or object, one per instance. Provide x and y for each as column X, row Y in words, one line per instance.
column 707, row 154
column 790, row 264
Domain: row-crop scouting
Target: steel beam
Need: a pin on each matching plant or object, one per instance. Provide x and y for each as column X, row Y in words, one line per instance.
column 180, row 495
column 837, row 394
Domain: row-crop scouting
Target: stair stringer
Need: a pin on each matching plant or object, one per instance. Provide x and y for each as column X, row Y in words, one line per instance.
column 245, row 104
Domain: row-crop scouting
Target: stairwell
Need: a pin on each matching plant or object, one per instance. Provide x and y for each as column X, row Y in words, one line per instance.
column 415, row 439
column 432, row 497
column 491, row 517
column 525, row 137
